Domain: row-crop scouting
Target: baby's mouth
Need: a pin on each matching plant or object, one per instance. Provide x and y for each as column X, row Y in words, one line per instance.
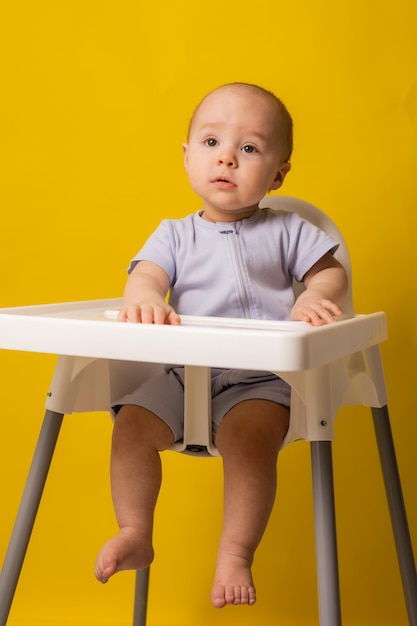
column 221, row 181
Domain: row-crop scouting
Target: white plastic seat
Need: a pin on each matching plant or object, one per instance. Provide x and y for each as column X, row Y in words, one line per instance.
column 82, row 384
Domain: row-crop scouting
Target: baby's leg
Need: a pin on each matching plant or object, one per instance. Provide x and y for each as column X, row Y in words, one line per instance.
column 248, row 439
column 138, row 436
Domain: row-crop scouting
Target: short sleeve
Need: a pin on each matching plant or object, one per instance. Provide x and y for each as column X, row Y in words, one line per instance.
column 159, row 248
column 307, row 245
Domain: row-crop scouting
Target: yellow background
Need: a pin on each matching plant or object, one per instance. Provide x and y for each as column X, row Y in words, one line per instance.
column 95, row 100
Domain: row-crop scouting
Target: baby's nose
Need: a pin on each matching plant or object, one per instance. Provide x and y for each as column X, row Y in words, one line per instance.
column 227, row 159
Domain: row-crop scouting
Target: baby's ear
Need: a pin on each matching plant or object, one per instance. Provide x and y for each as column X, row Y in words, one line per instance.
column 185, row 153
column 281, row 174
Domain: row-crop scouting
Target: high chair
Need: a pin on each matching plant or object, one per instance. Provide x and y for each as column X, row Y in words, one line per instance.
column 327, row 367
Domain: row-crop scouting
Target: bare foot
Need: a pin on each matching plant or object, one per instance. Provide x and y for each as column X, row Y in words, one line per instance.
column 233, row 582
column 128, row 550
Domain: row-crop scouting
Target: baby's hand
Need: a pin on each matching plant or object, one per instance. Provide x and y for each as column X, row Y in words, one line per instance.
column 149, row 313
column 316, row 311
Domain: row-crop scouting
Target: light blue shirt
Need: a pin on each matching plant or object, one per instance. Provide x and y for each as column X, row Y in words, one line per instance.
column 236, row 269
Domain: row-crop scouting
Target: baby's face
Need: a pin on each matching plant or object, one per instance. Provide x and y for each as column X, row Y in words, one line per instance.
column 234, row 156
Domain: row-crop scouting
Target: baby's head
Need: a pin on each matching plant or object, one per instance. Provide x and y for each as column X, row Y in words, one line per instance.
column 258, row 99
column 238, row 149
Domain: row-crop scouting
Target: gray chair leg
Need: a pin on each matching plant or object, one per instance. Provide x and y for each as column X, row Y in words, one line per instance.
column 141, row 597
column 26, row 515
column 325, row 530
column 397, row 509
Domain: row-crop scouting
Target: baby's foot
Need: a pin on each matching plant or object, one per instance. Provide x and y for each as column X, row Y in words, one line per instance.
column 128, row 550
column 233, row 582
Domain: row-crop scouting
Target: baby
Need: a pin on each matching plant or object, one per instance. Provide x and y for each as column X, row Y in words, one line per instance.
column 230, row 259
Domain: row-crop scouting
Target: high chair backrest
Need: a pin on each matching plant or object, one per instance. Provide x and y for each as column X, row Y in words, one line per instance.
column 312, row 214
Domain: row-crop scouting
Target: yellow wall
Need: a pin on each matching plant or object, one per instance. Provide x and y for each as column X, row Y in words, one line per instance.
column 95, row 99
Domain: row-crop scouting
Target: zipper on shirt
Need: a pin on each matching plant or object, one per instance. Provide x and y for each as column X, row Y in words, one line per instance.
column 236, row 253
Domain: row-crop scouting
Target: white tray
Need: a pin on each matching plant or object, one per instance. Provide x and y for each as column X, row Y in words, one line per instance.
column 87, row 329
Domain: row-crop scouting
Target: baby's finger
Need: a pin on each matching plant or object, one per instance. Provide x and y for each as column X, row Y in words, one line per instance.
column 327, row 312
column 134, row 314
column 173, row 318
column 332, row 307
column 122, row 315
column 148, row 315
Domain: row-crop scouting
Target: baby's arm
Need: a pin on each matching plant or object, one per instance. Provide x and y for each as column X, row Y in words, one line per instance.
column 325, row 287
column 144, row 297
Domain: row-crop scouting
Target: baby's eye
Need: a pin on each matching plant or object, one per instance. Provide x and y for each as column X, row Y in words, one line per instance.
column 249, row 149
column 211, row 142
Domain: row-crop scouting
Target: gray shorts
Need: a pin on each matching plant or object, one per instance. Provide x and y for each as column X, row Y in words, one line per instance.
column 163, row 394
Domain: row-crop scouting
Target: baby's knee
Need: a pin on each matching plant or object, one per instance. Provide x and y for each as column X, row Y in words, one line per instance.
column 137, row 425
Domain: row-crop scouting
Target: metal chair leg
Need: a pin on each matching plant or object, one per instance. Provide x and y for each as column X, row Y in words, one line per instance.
column 141, row 597
column 28, row 509
column 325, row 530
column 397, row 509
